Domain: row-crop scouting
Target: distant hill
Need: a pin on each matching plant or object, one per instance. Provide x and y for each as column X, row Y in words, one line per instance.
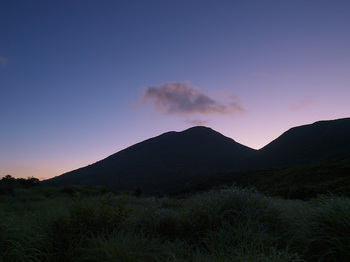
column 163, row 163
column 177, row 160
column 308, row 144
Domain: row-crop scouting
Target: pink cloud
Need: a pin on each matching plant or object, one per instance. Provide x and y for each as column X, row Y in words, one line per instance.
column 182, row 99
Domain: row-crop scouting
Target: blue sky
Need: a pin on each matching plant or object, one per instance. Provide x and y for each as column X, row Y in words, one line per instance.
column 81, row 80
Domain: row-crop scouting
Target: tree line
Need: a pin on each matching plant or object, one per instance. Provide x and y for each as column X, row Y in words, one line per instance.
column 8, row 183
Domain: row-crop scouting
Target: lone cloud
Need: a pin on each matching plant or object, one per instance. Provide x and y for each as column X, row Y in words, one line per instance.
column 182, row 99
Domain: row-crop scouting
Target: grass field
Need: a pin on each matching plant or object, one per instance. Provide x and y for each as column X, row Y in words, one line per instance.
column 45, row 224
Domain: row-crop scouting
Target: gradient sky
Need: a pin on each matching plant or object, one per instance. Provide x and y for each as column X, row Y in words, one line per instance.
column 81, row 80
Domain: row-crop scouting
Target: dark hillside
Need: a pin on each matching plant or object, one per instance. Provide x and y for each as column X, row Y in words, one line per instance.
column 164, row 162
column 297, row 182
column 315, row 143
column 303, row 162
column 302, row 158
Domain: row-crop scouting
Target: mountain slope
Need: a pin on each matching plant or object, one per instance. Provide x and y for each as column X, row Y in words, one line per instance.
column 314, row 143
column 303, row 162
column 176, row 160
column 163, row 163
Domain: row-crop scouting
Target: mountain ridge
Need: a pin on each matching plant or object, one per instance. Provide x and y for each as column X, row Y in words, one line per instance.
column 173, row 159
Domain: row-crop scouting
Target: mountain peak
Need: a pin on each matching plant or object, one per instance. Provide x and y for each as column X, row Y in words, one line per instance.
column 194, row 128
column 199, row 130
column 164, row 162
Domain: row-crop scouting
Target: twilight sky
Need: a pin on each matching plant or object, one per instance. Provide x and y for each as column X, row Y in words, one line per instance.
column 81, row 80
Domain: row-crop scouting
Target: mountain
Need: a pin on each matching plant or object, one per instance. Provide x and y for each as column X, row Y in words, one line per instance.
column 177, row 160
column 163, row 163
column 307, row 144
column 302, row 163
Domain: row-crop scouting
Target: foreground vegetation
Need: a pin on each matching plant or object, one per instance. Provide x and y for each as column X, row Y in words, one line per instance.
column 82, row 224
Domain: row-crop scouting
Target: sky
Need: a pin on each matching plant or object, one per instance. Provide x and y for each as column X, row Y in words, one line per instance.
column 81, row 80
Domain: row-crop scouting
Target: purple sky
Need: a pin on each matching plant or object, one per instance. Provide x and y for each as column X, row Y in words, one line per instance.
column 81, row 80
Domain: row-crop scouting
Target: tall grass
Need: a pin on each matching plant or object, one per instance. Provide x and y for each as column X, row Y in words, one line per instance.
column 235, row 225
column 23, row 235
column 238, row 207
column 323, row 230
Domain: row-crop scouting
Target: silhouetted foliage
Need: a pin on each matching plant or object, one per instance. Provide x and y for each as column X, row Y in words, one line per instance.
column 29, row 182
column 9, row 183
column 8, row 178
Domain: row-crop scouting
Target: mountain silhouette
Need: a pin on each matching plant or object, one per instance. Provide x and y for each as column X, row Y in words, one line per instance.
column 164, row 162
column 176, row 159
column 307, row 144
